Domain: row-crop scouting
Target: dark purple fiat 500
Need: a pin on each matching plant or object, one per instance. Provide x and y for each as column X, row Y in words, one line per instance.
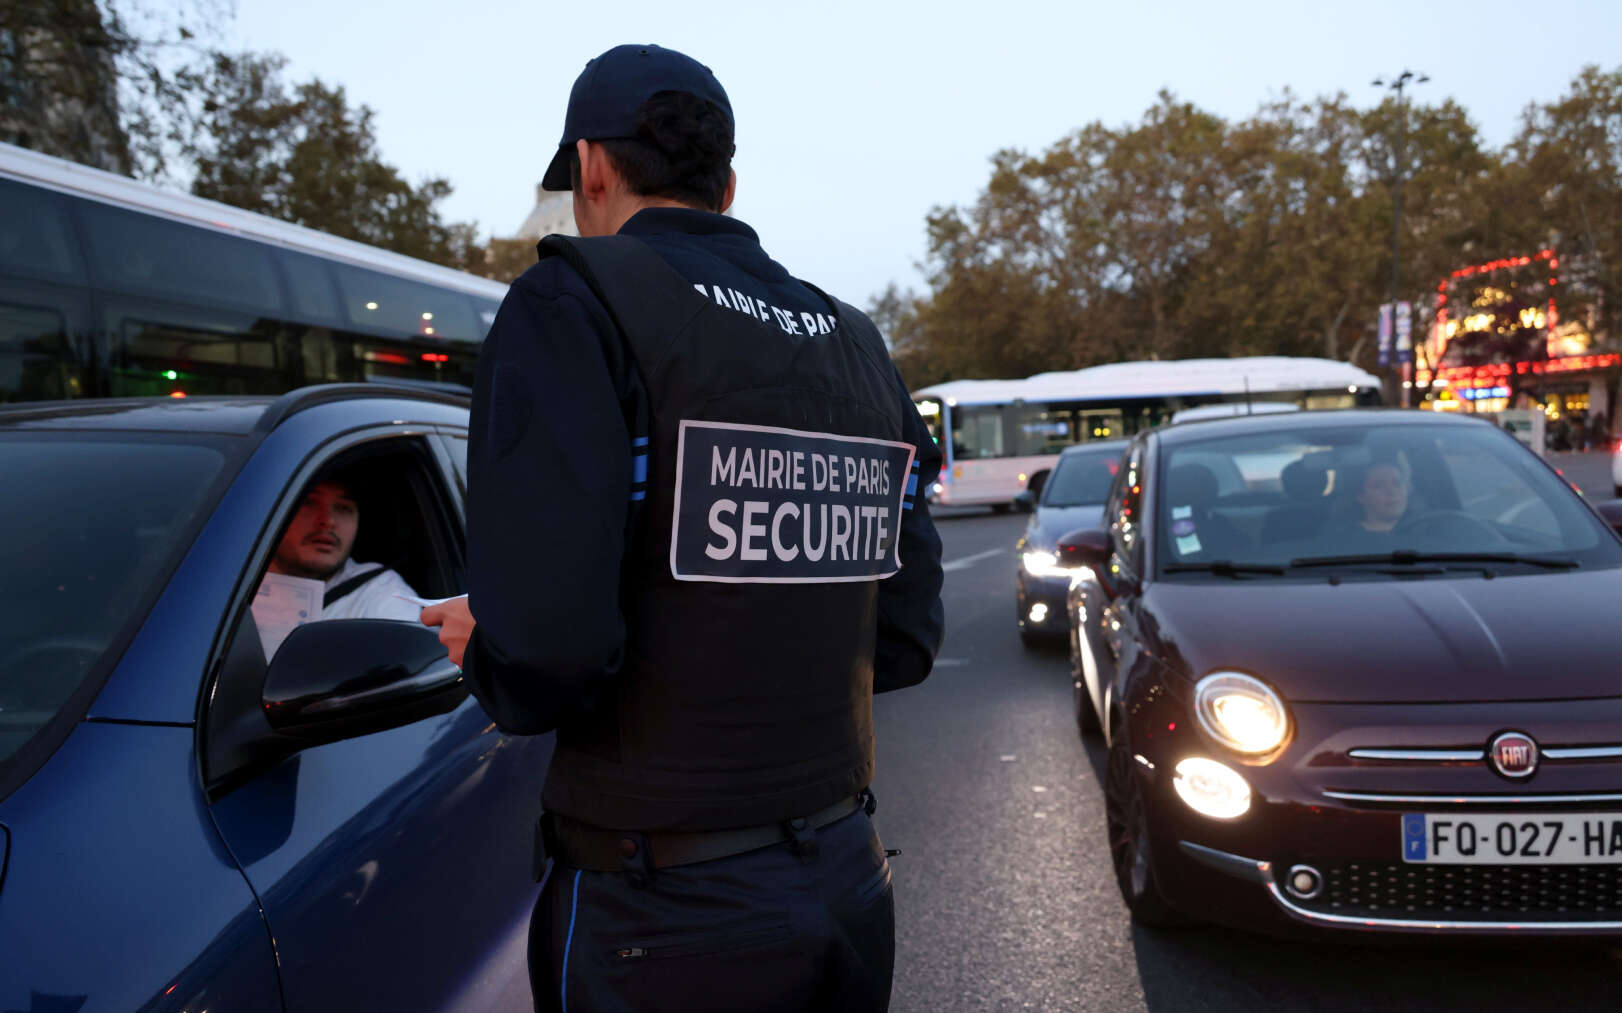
column 1356, row 670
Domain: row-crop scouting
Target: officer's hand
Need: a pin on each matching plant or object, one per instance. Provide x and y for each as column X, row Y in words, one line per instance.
column 455, row 621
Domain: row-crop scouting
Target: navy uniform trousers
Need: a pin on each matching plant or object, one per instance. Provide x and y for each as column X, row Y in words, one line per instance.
column 769, row 929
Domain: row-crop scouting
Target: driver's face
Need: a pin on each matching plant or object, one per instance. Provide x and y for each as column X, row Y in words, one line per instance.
column 321, row 534
column 1385, row 494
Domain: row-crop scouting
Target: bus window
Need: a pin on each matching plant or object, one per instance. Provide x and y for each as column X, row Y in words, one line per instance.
column 1045, row 430
column 383, row 302
column 36, row 358
column 351, row 358
column 160, row 350
column 147, row 255
column 309, row 282
column 1332, row 401
column 486, row 311
column 977, row 432
column 35, row 235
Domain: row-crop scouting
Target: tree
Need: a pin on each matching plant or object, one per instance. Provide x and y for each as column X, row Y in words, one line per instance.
column 304, row 155
column 95, row 82
column 505, row 259
column 1564, row 179
column 1185, row 235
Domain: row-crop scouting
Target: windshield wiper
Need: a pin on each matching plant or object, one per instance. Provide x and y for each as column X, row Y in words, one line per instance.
column 1225, row 568
column 1407, row 557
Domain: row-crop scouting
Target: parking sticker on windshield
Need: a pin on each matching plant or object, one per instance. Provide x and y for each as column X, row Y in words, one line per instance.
column 1188, row 544
column 1181, row 512
column 756, row 504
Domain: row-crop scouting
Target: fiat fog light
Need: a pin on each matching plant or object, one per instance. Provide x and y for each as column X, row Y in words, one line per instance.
column 1241, row 712
column 1212, row 789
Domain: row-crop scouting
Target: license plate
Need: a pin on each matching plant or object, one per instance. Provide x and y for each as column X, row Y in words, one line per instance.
column 1512, row 838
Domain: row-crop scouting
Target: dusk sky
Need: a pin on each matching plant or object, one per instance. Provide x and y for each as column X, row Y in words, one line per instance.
column 854, row 119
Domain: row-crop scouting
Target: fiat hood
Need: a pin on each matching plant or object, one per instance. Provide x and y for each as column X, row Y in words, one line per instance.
column 1429, row 640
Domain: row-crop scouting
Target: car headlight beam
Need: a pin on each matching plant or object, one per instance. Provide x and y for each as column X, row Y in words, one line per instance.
column 1045, row 564
column 1241, row 712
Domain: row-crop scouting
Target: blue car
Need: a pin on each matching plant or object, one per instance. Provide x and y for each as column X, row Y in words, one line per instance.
column 185, row 825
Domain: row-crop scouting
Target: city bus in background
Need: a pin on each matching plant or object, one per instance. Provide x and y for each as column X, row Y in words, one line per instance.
column 999, row 437
column 113, row 288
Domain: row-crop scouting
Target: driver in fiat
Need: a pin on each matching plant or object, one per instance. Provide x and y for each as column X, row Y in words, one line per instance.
column 1383, row 497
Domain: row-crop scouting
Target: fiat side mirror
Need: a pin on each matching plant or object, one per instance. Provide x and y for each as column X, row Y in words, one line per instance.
column 1090, row 548
column 1025, row 501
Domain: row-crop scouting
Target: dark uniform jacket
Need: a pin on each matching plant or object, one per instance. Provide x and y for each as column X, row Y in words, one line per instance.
column 557, row 491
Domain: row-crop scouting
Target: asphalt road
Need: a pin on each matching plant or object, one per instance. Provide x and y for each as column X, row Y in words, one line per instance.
column 1004, row 895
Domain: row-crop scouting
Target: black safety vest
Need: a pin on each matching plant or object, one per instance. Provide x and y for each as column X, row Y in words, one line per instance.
column 775, row 476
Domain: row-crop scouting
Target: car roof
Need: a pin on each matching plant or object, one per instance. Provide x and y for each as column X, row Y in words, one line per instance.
column 229, row 415
column 1245, row 425
column 1092, row 446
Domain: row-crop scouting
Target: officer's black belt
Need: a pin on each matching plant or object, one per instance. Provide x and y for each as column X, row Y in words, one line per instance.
column 581, row 846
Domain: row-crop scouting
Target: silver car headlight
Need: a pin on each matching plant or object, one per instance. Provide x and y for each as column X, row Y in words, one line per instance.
column 1045, row 564
column 1241, row 712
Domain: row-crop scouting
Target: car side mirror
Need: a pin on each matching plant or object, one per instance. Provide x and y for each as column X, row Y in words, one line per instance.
column 1090, row 548
column 1038, row 482
column 1611, row 510
column 346, row 677
column 1025, row 500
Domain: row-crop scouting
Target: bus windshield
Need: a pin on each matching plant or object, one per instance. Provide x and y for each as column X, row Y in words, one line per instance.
column 1030, row 430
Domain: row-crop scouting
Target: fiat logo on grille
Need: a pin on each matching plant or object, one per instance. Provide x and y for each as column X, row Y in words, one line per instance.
column 1513, row 754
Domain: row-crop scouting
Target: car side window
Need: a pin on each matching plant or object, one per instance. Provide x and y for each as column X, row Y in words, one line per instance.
column 371, row 528
column 456, row 446
column 365, row 530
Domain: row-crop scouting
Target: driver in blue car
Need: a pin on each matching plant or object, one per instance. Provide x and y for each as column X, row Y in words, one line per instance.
column 312, row 577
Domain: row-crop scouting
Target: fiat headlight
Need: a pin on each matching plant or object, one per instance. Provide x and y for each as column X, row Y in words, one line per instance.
column 1241, row 712
column 1045, row 564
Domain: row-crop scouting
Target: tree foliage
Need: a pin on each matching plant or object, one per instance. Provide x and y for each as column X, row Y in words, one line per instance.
column 131, row 86
column 305, row 155
column 1187, row 235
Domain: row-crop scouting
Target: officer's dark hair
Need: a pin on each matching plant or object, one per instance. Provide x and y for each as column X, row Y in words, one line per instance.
column 682, row 151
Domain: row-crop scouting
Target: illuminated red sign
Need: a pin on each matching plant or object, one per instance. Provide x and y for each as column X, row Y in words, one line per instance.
column 1489, row 376
column 1443, row 287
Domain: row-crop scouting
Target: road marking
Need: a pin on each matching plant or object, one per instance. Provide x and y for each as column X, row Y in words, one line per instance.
column 968, row 561
column 950, row 662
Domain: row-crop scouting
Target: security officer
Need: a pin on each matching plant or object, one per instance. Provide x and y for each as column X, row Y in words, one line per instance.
column 697, row 548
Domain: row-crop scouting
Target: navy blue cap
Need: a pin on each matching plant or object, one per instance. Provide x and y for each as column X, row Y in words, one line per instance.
column 606, row 96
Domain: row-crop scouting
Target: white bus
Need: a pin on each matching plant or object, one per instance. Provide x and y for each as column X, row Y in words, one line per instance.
column 1001, row 436
column 113, row 288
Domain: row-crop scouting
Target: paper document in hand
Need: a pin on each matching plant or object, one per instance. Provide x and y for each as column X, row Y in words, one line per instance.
column 283, row 604
column 425, row 602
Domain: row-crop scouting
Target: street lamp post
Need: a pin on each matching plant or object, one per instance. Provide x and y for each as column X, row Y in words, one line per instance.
column 1397, row 84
